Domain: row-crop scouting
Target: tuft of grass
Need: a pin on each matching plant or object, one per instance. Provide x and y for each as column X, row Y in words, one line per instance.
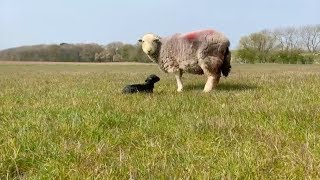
column 71, row 121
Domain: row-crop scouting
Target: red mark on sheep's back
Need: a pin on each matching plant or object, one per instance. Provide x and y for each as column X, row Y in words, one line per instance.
column 190, row 36
column 195, row 34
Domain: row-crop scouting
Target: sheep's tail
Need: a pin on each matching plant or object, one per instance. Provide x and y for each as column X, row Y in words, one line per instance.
column 225, row 68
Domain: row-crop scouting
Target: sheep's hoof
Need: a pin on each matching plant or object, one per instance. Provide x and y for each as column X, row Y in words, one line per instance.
column 179, row 90
column 206, row 90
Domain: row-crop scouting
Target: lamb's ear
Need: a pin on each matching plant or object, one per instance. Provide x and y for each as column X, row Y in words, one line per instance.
column 148, row 79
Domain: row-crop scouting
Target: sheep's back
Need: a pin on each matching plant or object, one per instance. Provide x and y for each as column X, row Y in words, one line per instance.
column 207, row 35
column 180, row 51
column 195, row 35
column 177, row 53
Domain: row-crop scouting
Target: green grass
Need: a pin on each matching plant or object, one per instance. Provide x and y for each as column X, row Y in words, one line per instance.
column 72, row 122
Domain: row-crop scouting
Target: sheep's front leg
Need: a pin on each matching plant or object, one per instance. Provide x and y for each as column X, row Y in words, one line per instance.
column 178, row 76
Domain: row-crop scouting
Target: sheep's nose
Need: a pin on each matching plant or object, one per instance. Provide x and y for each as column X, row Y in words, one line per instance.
column 149, row 51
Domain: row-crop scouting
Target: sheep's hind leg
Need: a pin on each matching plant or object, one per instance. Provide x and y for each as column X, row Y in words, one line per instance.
column 210, row 69
column 211, row 83
column 178, row 76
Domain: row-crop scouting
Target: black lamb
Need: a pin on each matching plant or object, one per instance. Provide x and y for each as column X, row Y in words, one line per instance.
column 147, row 87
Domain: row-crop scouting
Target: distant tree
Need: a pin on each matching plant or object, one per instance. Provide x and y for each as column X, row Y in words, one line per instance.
column 310, row 37
column 256, row 47
column 127, row 52
column 110, row 50
column 88, row 51
column 288, row 38
column 282, row 45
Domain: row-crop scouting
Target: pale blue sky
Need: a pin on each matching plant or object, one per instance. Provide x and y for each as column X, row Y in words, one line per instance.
column 27, row 22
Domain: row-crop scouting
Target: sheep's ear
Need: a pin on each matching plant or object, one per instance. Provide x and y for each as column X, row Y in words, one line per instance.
column 157, row 40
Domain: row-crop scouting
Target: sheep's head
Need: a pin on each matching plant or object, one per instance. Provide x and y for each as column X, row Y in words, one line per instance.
column 150, row 44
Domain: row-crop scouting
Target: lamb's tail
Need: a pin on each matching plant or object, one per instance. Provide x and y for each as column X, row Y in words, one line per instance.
column 225, row 68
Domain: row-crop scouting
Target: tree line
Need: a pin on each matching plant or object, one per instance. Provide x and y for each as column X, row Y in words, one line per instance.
column 64, row 52
column 118, row 51
column 281, row 45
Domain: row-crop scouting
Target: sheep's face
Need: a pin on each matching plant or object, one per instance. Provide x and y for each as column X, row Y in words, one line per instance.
column 150, row 43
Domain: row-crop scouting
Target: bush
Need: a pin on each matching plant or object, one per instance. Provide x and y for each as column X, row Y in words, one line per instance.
column 284, row 57
column 291, row 57
column 247, row 55
column 252, row 56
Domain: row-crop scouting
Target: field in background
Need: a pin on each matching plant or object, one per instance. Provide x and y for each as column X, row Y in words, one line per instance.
column 71, row 121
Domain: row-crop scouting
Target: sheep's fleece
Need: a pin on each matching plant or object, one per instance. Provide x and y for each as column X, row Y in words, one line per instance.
column 198, row 52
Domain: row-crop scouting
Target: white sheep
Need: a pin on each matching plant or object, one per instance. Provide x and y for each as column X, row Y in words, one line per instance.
column 198, row 52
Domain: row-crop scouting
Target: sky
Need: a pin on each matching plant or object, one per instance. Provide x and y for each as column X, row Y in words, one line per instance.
column 29, row 22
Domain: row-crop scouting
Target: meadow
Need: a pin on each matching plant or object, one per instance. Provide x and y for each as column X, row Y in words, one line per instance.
column 70, row 121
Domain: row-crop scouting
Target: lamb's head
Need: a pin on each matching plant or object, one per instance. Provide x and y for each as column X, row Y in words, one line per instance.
column 152, row 79
column 150, row 44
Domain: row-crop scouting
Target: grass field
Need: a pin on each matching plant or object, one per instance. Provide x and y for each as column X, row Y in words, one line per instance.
column 70, row 121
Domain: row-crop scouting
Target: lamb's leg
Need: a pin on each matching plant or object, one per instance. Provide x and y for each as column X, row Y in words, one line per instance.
column 178, row 76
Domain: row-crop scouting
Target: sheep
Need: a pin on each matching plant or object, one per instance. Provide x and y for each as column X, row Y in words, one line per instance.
column 198, row 52
column 147, row 87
